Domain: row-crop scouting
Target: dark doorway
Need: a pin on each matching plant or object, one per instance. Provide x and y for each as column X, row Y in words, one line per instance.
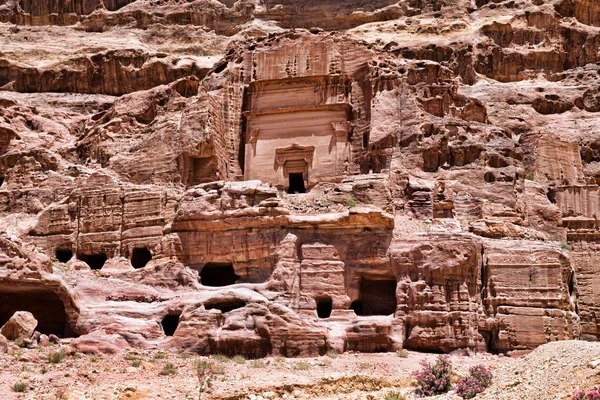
column 95, row 261
column 296, row 184
column 218, row 274
column 324, row 307
column 64, row 255
column 170, row 324
column 225, row 305
column 377, row 297
column 140, row 257
column 1, row 179
column 45, row 305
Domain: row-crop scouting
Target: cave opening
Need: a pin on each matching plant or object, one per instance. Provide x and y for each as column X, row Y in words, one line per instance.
column 170, row 323
column 95, row 261
column 64, row 255
column 1, row 180
column 218, row 275
column 225, row 305
column 45, row 305
column 489, row 177
column 551, row 195
column 296, row 183
column 324, row 307
column 140, row 257
column 377, row 297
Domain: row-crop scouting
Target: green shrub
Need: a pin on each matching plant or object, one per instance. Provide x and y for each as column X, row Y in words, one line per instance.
column 203, row 365
column 258, row 364
column 168, row 369
column 394, row 396
column 160, row 356
column 55, row 357
column 403, row 353
column 332, row 353
column 221, row 358
column 566, row 246
column 136, row 363
column 529, row 177
column 301, row 366
column 351, row 203
column 19, row 387
column 20, row 342
column 238, row 359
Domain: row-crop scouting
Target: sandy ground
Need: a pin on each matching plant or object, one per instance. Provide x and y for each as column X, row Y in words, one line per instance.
column 138, row 375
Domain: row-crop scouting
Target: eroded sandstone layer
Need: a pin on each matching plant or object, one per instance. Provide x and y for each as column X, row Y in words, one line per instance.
column 288, row 177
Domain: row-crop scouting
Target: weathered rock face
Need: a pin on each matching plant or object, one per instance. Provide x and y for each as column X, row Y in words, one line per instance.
column 209, row 176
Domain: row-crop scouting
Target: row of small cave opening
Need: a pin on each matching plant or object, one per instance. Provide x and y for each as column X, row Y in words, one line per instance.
column 140, row 257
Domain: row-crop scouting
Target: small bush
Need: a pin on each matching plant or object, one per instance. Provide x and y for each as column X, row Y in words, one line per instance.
column 20, row 342
column 479, row 378
column 19, row 387
column 593, row 394
column 221, row 358
column 434, row 378
column 203, row 365
column 351, row 203
column 93, row 359
column 136, row 363
column 394, row 396
column 206, row 374
column 332, row 353
column 258, row 364
column 403, row 353
column 301, row 366
column 160, row 356
column 566, row 246
column 168, row 369
column 529, row 177
column 57, row 356
column 238, row 359
column 364, row 365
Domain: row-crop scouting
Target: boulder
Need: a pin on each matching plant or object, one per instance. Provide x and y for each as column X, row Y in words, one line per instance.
column 3, row 344
column 21, row 325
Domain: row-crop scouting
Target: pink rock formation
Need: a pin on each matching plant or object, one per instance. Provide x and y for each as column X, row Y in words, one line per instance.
column 213, row 177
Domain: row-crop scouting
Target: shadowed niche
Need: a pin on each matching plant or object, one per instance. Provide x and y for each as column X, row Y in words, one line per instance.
column 170, row 323
column 324, row 307
column 95, row 261
column 64, row 255
column 140, row 257
column 377, row 297
column 218, row 274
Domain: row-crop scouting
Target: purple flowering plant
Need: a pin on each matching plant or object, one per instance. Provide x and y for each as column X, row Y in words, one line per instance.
column 478, row 380
column 434, row 378
column 594, row 394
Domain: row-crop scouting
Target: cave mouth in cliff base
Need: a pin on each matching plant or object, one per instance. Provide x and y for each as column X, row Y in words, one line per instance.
column 170, row 323
column 377, row 297
column 43, row 303
column 64, row 255
column 296, row 183
column 95, row 261
column 140, row 257
column 218, row 274
column 1, row 180
column 324, row 307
